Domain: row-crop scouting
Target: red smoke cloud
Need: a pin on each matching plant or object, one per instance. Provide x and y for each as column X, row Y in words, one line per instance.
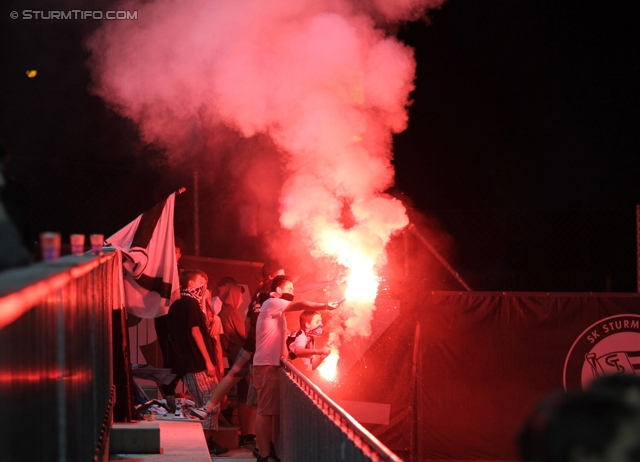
column 320, row 78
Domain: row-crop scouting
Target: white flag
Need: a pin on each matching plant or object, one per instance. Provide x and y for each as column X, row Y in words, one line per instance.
column 151, row 281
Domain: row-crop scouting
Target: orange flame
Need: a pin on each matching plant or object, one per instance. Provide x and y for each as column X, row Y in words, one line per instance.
column 361, row 291
column 329, row 367
column 362, row 281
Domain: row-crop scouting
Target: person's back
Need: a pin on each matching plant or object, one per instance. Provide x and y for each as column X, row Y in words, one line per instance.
column 618, row 386
column 196, row 349
column 233, row 325
column 252, row 319
column 581, row 427
column 271, row 329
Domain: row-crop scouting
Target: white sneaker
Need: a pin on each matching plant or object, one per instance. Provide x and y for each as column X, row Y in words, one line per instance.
column 201, row 413
column 179, row 414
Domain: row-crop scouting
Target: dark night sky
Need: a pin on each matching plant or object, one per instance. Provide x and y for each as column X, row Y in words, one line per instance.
column 518, row 105
column 524, row 104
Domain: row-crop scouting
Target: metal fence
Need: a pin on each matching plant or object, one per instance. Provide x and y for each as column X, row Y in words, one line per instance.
column 317, row 429
column 56, row 378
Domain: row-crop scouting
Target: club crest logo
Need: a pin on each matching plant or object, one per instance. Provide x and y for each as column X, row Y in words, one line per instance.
column 609, row 346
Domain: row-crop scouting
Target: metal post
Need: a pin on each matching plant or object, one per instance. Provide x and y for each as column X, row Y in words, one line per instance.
column 420, row 403
column 638, row 247
column 439, row 257
column 196, row 215
column 406, row 255
column 415, row 412
column 61, row 392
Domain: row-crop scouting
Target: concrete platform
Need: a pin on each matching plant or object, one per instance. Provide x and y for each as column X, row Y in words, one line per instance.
column 135, row 438
column 180, row 440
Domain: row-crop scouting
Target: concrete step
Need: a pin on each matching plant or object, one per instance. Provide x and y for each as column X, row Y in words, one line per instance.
column 226, row 436
column 134, row 438
column 179, row 441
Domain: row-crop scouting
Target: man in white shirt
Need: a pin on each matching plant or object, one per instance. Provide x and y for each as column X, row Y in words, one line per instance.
column 271, row 334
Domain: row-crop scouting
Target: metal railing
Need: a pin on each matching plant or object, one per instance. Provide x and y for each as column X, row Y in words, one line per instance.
column 314, row 428
column 56, row 378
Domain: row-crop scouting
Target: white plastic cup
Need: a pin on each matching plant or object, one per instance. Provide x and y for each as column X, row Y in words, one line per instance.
column 50, row 245
column 96, row 243
column 77, row 244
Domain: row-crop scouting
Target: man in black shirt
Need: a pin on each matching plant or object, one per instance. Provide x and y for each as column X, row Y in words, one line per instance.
column 196, row 350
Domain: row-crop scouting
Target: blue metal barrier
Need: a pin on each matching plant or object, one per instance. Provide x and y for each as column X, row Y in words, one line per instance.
column 314, row 428
column 55, row 358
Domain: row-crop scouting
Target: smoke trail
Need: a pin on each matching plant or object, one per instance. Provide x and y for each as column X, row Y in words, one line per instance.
column 320, row 78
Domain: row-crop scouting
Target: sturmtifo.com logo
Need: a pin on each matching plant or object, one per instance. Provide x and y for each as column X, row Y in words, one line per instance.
column 609, row 346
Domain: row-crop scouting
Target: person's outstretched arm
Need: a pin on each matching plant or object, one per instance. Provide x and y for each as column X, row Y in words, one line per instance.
column 314, row 306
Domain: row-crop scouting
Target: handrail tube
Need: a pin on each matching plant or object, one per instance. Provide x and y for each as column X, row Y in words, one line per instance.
column 56, row 357
column 439, row 257
column 18, row 300
column 354, row 430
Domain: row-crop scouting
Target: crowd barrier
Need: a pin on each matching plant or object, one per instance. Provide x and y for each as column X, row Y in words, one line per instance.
column 56, row 377
column 314, row 428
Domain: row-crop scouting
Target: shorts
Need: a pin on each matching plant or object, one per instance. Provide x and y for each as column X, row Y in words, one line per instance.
column 201, row 387
column 266, row 380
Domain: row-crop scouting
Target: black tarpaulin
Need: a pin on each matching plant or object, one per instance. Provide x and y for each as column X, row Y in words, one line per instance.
column 484, row 359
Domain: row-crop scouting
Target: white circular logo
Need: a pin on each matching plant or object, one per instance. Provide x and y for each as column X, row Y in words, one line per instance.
column 609, row 346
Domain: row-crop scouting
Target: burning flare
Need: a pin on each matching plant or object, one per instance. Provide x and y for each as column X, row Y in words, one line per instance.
column 329, row 367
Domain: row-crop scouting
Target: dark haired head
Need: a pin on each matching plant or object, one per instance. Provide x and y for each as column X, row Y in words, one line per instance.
column 228, row 281
column 573, row 423
column 189, row 275
column 305, row 317
column 617, row 386
column 179, row 243
column 279, row 281
column 532, row 437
